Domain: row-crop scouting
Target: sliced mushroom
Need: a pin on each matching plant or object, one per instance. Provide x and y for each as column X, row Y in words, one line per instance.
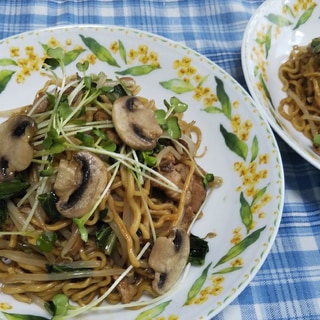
column 15, row 150
column 79, row 184
column 168, row 257
column 135, row 124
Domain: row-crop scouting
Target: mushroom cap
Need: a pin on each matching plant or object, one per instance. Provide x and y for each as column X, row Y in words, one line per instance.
column 135, row 124
column 168, row 257
column 16, row 152
column 79, row 184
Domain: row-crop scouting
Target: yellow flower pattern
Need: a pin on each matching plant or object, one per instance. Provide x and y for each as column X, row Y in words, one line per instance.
column 188, row 73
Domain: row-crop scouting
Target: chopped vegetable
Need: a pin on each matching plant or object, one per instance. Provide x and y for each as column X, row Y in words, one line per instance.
column 46, row 241
column 58, row 306
column 48, row 203
column 12, row 188
column 106, row 238
column 198, row 250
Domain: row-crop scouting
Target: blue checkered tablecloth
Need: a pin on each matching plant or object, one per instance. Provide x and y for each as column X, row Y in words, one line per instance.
column 288, row 284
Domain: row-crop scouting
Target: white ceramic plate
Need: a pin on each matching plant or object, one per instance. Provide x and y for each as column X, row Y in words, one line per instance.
column 271, row 33
column 240, row 148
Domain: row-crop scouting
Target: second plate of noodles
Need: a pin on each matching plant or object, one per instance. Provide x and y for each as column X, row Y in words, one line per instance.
column 281, row 70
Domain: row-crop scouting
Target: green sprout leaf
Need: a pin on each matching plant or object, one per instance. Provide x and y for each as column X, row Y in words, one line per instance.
column 177, row 105
column 209, row 177
column 147, row 158
column 56, row 53
column 81, row 223
column 82, row 66
column 174, row 128
column 59, row 306
column 160, row 115
column 53, row 143
column 47, row 171
column 86, row 139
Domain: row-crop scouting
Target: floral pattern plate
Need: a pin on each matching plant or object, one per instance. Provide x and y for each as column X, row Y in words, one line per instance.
column 244, row 213
column 271, row 33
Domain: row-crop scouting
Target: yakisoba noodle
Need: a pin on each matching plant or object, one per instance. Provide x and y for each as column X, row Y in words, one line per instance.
column 42, row 256
column 300, row 76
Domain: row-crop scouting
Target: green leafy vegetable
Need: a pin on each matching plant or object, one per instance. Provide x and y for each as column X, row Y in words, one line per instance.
column 48, row 203
column 147, row 157
column 209, row 177
column 106, row 238
column 59, row 306
column 167, row 121
column 173, row 128
column 198, row 250
column 12, row 188
column 46, row 241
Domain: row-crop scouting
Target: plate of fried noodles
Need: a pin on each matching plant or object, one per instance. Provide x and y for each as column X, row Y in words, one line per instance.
column 138, row 179
column 281, row 63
